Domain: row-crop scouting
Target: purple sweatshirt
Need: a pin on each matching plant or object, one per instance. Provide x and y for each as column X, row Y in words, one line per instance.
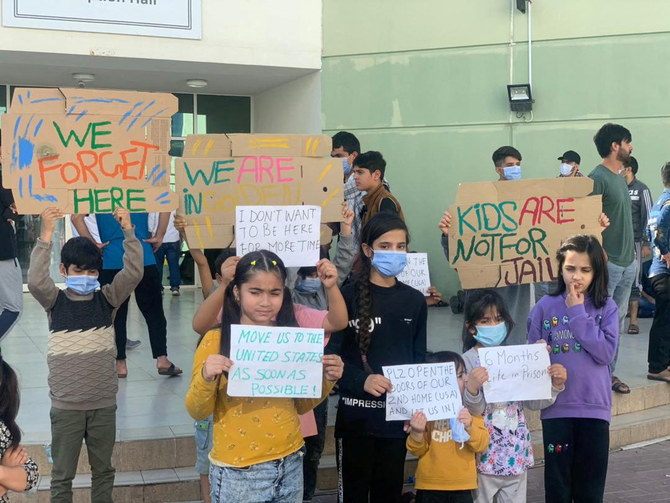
column 583, row 339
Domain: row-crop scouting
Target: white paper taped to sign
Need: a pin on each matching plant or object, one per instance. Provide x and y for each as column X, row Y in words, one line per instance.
column 275, row 361
column 292, row 232
column 415, row 274
column 516, row 373
column 428, row 387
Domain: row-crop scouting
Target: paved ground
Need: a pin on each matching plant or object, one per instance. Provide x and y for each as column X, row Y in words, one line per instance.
column 638, row 475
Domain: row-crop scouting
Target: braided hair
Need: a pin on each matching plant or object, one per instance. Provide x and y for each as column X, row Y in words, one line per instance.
column 247, row 267
column 376, row 227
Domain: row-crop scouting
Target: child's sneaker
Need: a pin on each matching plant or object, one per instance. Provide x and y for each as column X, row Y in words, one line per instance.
column 131, row 344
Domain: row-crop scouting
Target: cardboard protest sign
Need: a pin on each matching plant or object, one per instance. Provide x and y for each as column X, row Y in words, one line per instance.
column 292, row 232
column 275, row 361
column 88, row 151
column 416, row 273
column 507, row 233
column 219, row 172
column 428, row 387
column 516, row 373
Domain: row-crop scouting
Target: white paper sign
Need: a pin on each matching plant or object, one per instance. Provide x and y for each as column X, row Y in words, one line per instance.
column 292, row 232
column 428, row 387
column 516, row 373
column 416, row 273
column 275, row 361
column 157, row 18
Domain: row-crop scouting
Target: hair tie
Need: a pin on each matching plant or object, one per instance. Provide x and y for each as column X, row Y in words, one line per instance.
column 274, row 263
column 253, row 263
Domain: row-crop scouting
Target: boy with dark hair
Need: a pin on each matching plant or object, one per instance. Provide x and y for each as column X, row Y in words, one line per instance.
column 507, row 162
column 613, row 143
column 641, row 203
column 369, row 171
column 81, row 352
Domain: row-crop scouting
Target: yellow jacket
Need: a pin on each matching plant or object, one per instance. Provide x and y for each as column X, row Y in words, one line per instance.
column 443, row 465
column 247, row 431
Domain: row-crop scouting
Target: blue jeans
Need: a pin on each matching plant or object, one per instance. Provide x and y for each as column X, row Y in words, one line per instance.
column 620, row 282
column 203, row 444
column 313, row 449
column 278, row 481
column 170, row 251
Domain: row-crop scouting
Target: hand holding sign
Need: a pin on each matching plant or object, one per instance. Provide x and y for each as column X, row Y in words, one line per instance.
column 215, row 365
column 445, row 223
column 228, row 269
column 476, row 379
column 122, row 216
column 49, row 217
column 377, row 385
column 558, row 374
column 327, row 273
column 333, row 367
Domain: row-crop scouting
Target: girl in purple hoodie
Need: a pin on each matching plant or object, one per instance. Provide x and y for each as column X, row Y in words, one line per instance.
column 580, row 323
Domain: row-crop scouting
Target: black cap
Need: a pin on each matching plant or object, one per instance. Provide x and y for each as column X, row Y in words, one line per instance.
column 571, row 156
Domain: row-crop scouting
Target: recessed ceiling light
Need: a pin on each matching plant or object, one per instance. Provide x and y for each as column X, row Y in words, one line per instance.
column 197, row 83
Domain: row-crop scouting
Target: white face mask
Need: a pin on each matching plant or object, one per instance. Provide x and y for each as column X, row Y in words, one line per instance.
column 566, row 169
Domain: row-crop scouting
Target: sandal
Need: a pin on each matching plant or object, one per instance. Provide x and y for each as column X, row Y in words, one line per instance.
column 619, row 386
column 170, row 371
column 633, row 329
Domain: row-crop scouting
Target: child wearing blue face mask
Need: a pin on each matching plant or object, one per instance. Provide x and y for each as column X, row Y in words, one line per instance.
column 502, row 466
column 81, row 352
column 387, row 326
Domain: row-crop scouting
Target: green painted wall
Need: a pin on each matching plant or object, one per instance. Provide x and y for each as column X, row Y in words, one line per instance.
column 424, row 83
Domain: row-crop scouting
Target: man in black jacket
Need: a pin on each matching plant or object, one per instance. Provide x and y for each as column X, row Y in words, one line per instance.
column 11, row 286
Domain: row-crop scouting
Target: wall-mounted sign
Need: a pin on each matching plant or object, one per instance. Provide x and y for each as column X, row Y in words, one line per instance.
column 154, row 18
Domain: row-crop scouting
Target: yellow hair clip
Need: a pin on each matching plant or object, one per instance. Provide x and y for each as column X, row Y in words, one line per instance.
column 253, row 263
column 274, row 263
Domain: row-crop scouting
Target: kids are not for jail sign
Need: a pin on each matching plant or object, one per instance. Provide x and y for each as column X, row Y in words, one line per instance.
column 507, row 233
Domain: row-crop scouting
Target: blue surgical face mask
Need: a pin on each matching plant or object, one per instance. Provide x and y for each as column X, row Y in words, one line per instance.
column 83, row 285
column 346, row 166
column 512, row 172
column 389, row 263
column 458, row 433
column 491, row 335
column 565, row 169
column 309, row 285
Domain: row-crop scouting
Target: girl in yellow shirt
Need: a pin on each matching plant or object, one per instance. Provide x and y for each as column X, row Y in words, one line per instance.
column 256, row 454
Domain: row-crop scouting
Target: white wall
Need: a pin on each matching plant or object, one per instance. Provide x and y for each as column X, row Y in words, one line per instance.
column 284, row 33
column 294, row 107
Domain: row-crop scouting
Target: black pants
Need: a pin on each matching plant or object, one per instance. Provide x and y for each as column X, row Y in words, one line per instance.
column 150, row 301
column 575, row 455
column 313, row 449
column 423, row 496
column 373, row 467
column 658, row 355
